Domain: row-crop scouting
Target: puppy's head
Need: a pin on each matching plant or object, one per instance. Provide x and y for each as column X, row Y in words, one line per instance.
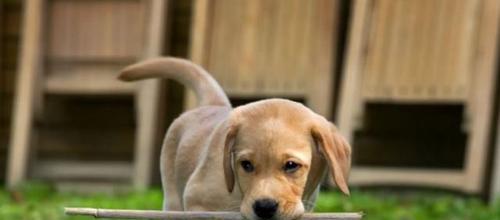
column 276, row 152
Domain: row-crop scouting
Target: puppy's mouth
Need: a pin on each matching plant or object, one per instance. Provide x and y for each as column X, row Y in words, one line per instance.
column 269, row 209
column 252, row 216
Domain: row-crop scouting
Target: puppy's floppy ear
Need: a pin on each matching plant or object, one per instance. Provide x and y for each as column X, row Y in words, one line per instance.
column 336, row 150
column 231, row 131
column 316, row 173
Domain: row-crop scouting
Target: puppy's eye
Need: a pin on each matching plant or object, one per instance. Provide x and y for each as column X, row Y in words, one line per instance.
column 247, row 166
column 291, row 167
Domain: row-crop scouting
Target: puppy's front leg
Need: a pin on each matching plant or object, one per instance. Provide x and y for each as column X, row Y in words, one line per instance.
column 195, row 197
column 205, row 191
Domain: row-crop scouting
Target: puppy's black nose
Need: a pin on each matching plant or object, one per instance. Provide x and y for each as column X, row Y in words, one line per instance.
column 265, row 208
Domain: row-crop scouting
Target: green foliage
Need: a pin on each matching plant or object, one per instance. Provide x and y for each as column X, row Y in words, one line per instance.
column 39, row 201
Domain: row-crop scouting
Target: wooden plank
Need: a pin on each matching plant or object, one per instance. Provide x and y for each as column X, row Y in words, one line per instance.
column 264, row 48
column 403, row 62
column 95, row 28
column 179, row 215
column 86, row 79
column 148, row 98
column 449, row 179
column 29, row 67
column 354, row 62
column 198, row 43
column 495, row 175
column 3, row 77
column 54, row 170
column 320, row 61
column 484, row 78
column 201, row 19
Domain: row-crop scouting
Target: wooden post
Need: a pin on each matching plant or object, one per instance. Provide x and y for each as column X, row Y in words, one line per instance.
column 495, row 184
column 29, row 66
column 320, row 94
column 148, row 99
column 179, row 215
column 483, row 79
column 349, row 89
column 201, row 21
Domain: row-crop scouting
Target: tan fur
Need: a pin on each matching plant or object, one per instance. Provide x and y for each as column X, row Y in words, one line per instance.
column 203, row 148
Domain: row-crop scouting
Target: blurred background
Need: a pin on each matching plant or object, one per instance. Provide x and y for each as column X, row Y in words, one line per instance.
column 412, row 84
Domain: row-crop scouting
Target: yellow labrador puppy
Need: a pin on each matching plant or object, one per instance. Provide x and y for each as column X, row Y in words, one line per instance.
column 265, row 159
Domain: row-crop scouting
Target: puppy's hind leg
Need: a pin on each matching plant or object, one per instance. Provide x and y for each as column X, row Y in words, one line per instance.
column 171, row 198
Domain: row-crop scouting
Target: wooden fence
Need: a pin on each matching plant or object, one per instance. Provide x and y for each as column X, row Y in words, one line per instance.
column 406, row 52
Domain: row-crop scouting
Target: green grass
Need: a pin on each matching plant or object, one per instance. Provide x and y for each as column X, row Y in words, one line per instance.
column 39, row 201
column 415, row 205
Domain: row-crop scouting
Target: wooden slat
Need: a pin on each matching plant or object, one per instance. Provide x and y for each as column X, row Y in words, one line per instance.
column 316, row 72
column 482, row 97
column 419, row 51
column 350, row 96
column 268, row 48
column 148, row 98
column 10, row 13
column 262, row 47
column 29, row 67
column 95, row 28
column 495, row 175
column 198, row 43
column 2, row 77
column 86, row 79
column 449, row 179
column 55, row 170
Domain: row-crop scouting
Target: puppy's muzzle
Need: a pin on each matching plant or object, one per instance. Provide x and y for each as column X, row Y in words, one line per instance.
column 265, row 208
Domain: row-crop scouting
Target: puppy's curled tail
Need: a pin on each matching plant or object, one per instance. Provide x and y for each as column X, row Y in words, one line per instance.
column 207, row 90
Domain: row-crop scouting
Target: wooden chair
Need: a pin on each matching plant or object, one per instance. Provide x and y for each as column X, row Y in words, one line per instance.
column 268, row 48
column 423, row 52
column 75, row 47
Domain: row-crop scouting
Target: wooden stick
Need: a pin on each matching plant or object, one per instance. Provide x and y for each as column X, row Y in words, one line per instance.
column 177, row 215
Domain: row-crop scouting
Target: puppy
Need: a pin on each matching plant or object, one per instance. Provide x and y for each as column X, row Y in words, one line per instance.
column 265, row 159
